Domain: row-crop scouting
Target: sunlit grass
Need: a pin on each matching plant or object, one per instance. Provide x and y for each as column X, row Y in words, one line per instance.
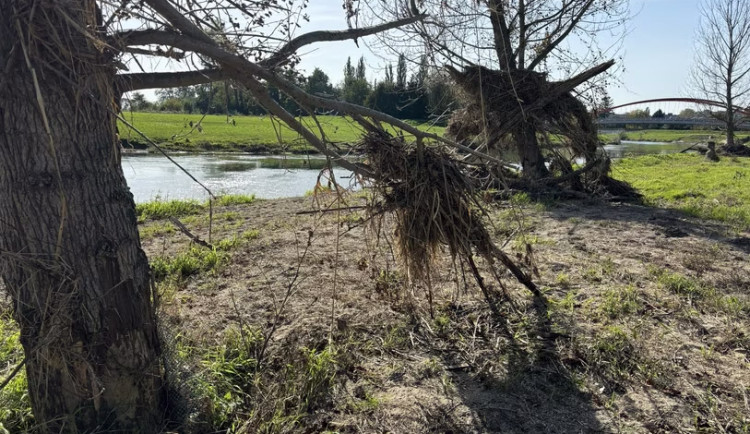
column 257, row 133
column 689, row 183
column 162, row 209
column 688, row 136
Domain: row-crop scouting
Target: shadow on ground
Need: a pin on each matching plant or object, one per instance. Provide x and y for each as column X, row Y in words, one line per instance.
column 667, row 222
column 523, row 386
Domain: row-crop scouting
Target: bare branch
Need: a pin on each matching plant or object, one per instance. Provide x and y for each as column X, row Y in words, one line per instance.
column 156, row 80
column 330, row 35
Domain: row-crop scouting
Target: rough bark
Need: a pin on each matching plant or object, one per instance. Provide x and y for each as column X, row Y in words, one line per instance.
column 70, row 253
column 528, row 149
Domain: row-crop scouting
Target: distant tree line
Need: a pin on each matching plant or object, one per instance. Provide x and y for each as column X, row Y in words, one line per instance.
column 424, row 94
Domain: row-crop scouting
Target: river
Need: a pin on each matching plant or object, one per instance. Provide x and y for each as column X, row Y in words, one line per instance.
column 152, row 176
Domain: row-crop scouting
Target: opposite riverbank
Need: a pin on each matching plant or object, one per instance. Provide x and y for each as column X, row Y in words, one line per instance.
column 261, row 135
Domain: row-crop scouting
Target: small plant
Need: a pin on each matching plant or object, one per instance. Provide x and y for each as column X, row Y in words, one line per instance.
column 442, row 322
column 563, row 280
column 388, row 283
column 620, row 301
column 565, row 304
column 227, row 244
column 250, row 234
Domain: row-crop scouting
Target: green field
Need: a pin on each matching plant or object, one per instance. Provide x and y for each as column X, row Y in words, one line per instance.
column 687, row 136
column 718, row 191
column 246, row 133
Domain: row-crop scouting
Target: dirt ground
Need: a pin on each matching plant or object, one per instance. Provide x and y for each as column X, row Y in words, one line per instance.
column 643, row 326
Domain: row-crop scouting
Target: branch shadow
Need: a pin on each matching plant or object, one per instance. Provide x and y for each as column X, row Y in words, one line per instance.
column 670, row 223
column 536, row 393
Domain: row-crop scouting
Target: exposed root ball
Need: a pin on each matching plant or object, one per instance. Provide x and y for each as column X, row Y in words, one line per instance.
column 431, row 197
column 435, row 205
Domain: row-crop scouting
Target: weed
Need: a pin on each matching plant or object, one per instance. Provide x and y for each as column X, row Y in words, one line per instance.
column 592, row 274
column 442, row 322
column 563, row 280
column 389, row 283
column 620, row 301
column 734, row 306
column 250, row 234
column 565, row 304
column 228, row 243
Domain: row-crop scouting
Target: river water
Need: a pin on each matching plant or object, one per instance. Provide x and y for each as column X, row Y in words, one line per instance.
column 152, row 176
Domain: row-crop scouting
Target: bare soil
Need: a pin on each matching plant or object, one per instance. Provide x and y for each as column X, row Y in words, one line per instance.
column 644, row 326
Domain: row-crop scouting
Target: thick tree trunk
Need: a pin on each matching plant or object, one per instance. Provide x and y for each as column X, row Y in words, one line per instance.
column 70, row 254
column 529, row 152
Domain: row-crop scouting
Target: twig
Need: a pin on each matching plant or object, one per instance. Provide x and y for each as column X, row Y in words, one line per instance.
column 12, row 375
column 687, row 149
column 345, row 208
column 189, row 234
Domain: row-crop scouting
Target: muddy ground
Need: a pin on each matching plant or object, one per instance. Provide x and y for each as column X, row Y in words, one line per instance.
column 644, row 325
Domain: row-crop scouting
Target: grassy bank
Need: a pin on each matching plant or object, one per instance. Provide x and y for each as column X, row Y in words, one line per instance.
column 238, row 133
column 689, row 183
column 686, row 136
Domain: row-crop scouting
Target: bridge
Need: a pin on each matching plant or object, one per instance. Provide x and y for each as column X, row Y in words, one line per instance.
column 705, row 121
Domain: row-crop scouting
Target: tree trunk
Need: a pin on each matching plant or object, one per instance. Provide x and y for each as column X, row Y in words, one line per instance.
column 730, row 114
column 529, row 152
column 70, row 254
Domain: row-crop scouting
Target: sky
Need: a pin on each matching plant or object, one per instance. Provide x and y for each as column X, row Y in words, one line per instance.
column 657, row 51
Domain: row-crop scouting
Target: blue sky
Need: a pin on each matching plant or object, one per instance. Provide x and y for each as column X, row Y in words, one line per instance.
column 657, row 51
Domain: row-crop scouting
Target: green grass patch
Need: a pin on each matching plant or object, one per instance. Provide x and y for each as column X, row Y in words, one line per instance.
column 161, row 209
column 689, row 183
column 246, row 133
column 618, row 302
column 271, row 397
column 235, row 199
column 194, row 261
column 157, row 229
column 15, row 406
column 158, row 209
column 682, row 285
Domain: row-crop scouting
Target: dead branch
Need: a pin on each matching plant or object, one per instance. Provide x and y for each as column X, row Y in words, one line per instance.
column 182, row 228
